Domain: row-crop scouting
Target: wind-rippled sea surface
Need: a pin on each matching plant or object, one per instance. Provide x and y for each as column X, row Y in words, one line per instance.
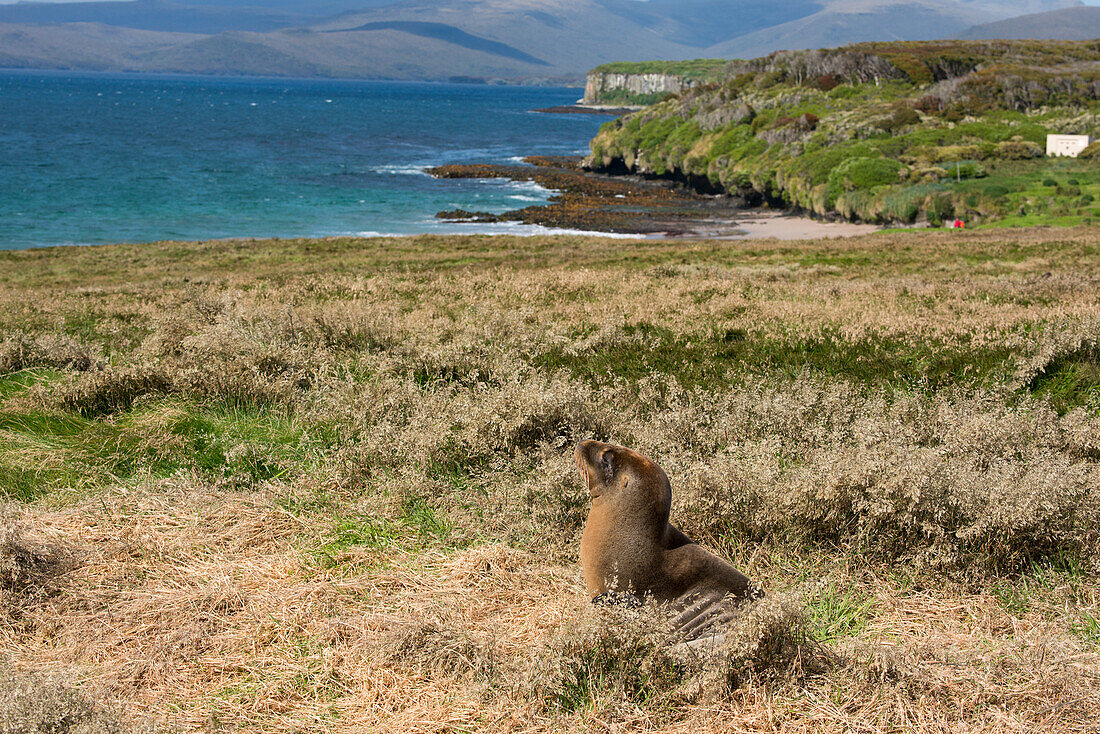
column 94, row 158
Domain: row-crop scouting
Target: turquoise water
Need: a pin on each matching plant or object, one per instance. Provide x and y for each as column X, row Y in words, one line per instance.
column 94, row 158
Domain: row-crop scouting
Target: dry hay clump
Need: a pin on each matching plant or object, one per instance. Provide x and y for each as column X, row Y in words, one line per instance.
column 20, row 351
column 946, row 481
column 30, row 568
column 31, row 704
column 438, row 646
column 620, row 658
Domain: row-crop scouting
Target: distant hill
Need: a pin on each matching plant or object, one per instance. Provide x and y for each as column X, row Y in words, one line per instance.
column 1071, row 24
column 703, row 23
column 155, row 15
column 510, row 40
column 854, row 21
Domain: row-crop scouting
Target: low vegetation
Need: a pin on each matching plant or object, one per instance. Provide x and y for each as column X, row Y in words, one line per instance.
column 882, row 132
column 306, row 485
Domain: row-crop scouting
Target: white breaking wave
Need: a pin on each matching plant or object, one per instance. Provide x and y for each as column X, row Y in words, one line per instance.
column 372, row 233
column 533, row 230
column 532, row 187
column 401, row 170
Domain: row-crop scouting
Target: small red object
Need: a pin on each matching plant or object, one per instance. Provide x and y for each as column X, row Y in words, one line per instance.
column 960, row 224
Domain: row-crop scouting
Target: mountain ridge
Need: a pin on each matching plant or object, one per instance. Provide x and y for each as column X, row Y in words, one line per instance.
column 505, row 40
column 1070, row 24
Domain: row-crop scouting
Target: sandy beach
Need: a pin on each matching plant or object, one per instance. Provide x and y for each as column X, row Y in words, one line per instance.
column 783, row 226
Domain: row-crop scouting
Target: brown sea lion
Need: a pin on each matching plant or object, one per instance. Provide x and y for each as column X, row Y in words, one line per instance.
column 629, row 547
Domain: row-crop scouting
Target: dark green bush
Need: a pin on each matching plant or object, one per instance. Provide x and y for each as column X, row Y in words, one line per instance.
column 864, row 173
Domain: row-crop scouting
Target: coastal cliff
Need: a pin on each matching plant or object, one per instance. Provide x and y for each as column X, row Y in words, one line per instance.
column 605, row 88
column 884, row 132
column 645, row 83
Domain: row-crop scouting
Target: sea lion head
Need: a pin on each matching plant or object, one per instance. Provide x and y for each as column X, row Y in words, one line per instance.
column 622, row 476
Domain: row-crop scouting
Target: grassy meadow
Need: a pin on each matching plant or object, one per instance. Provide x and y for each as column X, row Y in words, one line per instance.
column 327, row 485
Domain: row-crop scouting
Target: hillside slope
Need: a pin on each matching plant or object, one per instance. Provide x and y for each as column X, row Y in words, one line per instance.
column 87, row 46
column 899, row 132
column 854, row 21
column 1071, row 24
column 155, row 15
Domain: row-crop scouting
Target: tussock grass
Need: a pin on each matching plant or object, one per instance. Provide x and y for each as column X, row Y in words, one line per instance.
column 30, row 703
column 327, row 485
column 30, row 567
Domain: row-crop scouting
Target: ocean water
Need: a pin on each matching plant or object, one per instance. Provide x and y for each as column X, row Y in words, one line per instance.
column 97, row 158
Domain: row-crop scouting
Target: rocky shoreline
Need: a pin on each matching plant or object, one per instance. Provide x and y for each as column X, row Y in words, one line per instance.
column 596, row 202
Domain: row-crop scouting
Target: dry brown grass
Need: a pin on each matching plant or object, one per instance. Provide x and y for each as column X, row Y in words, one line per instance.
column 317, row 486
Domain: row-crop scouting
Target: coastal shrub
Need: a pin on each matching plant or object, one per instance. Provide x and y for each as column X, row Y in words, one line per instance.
column 939, row 154
column 939, row 208
column 930, row 174
column 857, row 205
column 1018, row 149
column 737, row 141
column 904, row 205
column 929, row 104
column 912, row 67
column 1091, row 153
column 901, row 118
column 856, row 174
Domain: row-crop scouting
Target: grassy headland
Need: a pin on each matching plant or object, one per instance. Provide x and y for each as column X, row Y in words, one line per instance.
column 321, row 485
column 883, row 132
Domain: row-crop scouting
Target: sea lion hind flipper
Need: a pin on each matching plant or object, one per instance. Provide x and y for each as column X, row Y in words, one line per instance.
column 705, row 614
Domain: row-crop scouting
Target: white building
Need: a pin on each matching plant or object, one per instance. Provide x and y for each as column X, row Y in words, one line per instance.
column 1067, row 145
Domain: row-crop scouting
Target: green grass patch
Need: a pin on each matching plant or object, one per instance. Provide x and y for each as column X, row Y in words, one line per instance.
column 16, row 382
column 355, row 532
column 724, row 358
column 839, row 612
column 1071, row 380
column 1087, row 627
column 417, row 526
column 41, row 452
column 423, row 519
column 1017, row 596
